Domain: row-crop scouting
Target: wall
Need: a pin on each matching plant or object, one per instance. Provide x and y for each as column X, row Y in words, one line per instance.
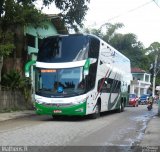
column 140, row 83
column 13, row 101
column 41, row 32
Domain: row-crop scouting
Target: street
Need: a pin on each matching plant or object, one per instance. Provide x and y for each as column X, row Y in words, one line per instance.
column 111, row 129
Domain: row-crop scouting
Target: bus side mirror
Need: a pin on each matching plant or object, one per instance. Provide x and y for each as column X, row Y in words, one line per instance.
column 87, row 65
column 86, row 72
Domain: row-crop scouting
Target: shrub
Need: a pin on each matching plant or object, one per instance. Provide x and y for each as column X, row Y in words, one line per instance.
column 15, row 81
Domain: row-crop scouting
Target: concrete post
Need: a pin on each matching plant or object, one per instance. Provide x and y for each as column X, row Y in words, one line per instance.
column 154, row 75
column 159, row 104
column 139, row 89
column 159, row 107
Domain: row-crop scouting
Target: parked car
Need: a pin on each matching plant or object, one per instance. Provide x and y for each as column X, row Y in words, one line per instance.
column 144, row 98
column 133, row 100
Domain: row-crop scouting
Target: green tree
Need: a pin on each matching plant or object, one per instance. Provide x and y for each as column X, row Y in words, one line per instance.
column 110, row 30
column 6, row 46
column 15, row 14
column 127, row 44
column 153, row 52
column 106, row 32
column 25, row 11
column 6, row 43
column 96, row 32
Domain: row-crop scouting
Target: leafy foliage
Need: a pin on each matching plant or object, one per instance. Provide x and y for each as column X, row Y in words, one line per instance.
column 20, row 13
column 106, row 31
column 110, row 30
column 96, row 32
column 6, row 43
column 127, row 44
column 14, row 81
column 25, row 12
column 153, row 50
column 72, row 11
column 15, row 13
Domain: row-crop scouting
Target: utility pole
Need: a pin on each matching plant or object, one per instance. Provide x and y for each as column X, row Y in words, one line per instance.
column 1, row 65
column 154, row 75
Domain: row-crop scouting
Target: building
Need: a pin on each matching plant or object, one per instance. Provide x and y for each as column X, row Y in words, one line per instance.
column 141, row 81
column 34, row 36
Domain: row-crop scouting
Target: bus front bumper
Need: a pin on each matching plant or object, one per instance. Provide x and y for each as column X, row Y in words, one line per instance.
column 71, row 110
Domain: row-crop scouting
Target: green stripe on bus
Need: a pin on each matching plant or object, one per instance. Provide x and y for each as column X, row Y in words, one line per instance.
column 79, row 109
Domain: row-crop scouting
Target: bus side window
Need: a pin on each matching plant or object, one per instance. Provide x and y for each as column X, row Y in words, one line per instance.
column 103, row 87
column 108, row 86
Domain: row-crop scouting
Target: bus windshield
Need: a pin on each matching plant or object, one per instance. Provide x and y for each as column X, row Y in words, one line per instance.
column 60, row 82
column 63, row 49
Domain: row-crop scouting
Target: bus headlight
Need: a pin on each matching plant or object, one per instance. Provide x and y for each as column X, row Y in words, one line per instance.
column 39, row 101
column 80, row 101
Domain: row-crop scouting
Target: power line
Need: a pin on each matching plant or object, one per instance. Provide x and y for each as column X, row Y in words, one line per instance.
column 156, row 3
column 132, row 10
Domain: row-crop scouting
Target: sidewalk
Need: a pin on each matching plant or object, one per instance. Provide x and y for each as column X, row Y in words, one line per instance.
column 15, row 114
column 152, row 133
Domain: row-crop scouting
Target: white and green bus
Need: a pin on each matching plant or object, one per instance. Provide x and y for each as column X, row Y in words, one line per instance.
column 80, row 74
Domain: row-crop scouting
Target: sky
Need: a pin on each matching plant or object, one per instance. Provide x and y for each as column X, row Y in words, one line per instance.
column 140, row 17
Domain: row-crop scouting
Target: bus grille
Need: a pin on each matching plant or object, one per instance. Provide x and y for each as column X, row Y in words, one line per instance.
column 57, row 104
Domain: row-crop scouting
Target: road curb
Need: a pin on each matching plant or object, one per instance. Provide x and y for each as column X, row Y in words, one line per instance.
column 16, row 115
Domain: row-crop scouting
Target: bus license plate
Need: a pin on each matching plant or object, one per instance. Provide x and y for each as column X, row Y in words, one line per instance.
column 57, row 111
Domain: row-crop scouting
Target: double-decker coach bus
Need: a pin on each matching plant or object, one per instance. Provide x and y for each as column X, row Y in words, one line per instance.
column 80, row 74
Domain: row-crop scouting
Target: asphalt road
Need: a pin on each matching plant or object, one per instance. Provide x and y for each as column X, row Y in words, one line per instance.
column 124, row 129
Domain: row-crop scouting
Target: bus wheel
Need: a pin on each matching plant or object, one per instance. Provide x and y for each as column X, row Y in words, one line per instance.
column 97, row 112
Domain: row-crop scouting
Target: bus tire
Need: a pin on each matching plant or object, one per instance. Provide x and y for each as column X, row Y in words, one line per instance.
column 97, row 111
